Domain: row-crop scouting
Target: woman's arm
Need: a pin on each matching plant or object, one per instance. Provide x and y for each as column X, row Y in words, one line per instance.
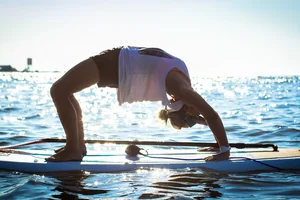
column 178, row 86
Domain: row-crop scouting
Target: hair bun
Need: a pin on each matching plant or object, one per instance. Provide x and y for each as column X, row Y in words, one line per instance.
column 163, row 115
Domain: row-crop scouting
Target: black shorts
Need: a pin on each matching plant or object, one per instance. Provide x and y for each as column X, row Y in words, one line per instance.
column 108, row 64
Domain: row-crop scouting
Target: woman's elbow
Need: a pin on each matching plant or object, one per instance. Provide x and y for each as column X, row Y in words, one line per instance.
column 211, row 116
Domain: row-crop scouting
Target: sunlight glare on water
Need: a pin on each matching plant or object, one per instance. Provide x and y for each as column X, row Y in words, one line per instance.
column 253, row 110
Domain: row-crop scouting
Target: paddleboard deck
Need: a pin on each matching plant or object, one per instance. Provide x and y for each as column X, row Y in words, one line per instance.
column 33, row 161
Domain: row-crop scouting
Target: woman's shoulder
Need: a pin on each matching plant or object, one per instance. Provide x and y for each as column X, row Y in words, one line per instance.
column 176, row 80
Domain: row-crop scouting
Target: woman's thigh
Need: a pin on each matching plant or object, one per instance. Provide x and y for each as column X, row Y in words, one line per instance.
column 83, row 75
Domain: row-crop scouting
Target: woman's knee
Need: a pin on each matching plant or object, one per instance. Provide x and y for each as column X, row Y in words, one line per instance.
column 57, row 91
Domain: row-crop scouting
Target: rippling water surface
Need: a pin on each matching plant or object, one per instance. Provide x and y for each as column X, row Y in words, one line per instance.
column 253, row 109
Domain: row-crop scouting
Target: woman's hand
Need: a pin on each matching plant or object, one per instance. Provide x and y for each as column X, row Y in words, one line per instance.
column 215, row 149
column 218, row 157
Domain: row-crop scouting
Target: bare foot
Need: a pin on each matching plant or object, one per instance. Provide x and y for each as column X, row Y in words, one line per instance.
column 218, row 157
column 59, row 149
column 83, row 149
column 65, row 155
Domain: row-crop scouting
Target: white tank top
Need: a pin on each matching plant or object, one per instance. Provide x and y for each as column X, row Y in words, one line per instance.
column 142, row 75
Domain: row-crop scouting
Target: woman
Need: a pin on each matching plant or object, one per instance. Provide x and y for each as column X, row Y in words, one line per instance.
column 139, row 74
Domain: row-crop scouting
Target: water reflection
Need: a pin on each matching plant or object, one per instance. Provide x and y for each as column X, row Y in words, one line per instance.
column 138, row 184
column 167, row 184
column 194, row 184
column 72, row 184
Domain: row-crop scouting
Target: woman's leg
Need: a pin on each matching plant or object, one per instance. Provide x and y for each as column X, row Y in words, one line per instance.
column 81, row 76
column 80, row 129
column 79, row 124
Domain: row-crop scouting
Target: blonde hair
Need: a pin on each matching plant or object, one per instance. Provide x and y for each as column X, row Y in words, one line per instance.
column 176, row 118
column 163, row 115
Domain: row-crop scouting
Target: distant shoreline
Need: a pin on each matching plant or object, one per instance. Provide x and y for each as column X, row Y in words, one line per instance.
column 31, row 72
column 9, row 68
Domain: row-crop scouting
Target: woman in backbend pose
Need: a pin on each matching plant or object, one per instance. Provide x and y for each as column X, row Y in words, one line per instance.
column 139, row 74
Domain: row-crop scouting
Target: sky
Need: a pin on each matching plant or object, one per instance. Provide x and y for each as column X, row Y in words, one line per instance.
column 213, row 37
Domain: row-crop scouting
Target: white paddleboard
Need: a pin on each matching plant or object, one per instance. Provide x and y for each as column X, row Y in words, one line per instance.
column 33, row 161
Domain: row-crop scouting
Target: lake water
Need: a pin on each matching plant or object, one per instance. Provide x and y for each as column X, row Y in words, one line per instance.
column 253, row 109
